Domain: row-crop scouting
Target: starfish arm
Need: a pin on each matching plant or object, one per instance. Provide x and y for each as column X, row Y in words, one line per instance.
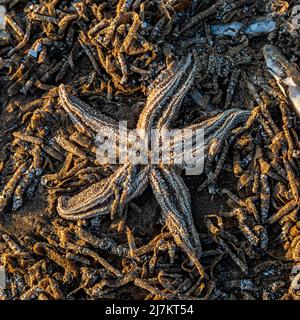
column 237, row 118
column 97, row 195
column 103, row 210
column 171, row 87
column 171, row 111
column 183, row 198
column 83, row 202
column 212, row 124
column 174, row 218
column 100, row 198
column 209, row 126
column 85, row 114
column 216, row 130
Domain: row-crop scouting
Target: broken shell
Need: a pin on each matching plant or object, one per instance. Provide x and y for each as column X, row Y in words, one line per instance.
column 260, row 26
column 285, row 73
column 230, row 29
column 256, row 28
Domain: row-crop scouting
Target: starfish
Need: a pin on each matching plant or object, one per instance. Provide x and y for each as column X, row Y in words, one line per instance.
column 110, row 195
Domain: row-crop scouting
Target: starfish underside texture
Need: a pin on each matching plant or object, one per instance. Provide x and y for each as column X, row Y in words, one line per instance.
column 111, row 194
